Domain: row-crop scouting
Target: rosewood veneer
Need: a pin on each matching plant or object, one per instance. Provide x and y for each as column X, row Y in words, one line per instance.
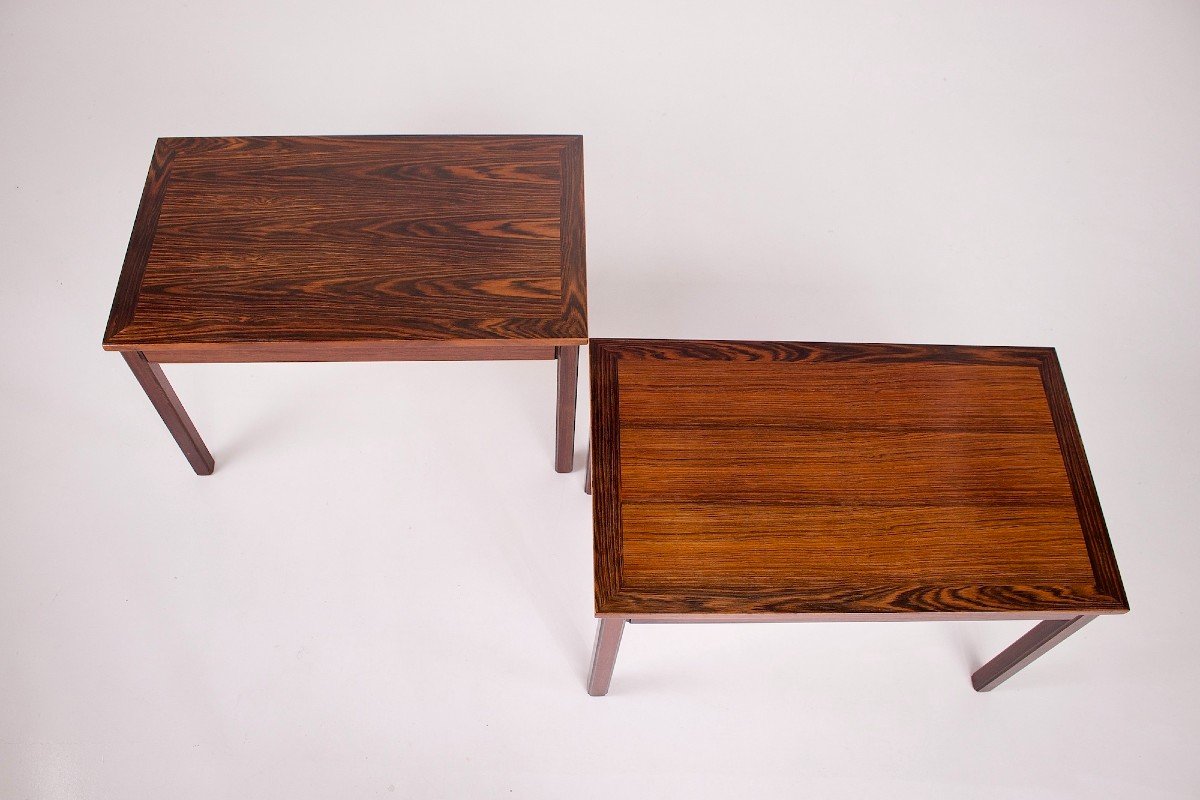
column 783, row 481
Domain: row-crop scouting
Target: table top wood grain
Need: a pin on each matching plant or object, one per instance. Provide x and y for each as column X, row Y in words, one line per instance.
column 303, row 247
column 750, row 478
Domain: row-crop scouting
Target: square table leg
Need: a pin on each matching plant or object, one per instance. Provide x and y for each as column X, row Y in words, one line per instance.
column 166, row 402
column 568, row 381
column 604, row 655
column 1025, row 650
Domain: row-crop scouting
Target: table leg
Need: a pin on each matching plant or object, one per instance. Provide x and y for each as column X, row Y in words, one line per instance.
column 604, row 655
column 166, row 402
column 568, row 380
column 1025, row 650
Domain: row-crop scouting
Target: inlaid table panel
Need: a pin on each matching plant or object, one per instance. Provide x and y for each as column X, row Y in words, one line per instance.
column 748, row 477
column 265, row 246
column 354, row 248
column 778, row 480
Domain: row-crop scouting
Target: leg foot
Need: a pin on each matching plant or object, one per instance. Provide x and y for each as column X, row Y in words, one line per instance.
column 568, row 380
column 604, row 656
column 1025, row 650
column 158, row 389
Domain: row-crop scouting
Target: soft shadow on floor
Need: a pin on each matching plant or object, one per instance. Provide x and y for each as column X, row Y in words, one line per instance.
column 965, row 646
column 268, row 428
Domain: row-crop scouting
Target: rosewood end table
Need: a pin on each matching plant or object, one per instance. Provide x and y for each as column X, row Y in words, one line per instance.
column 779, row 481
column 356, row 248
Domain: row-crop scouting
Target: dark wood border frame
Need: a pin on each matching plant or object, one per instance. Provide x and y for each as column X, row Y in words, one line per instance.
column 140, row 242
column 572, row 236
column 884, row 602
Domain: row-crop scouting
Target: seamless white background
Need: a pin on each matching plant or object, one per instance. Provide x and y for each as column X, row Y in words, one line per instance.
column 385, row 590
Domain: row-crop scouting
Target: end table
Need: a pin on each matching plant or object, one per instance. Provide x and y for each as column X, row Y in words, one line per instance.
column 786, row 481
column 354, row 248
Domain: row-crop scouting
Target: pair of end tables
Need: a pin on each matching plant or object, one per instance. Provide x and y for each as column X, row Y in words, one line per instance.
column 733, row 481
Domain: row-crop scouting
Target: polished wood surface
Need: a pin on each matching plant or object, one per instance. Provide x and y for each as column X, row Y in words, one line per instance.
column 285, row 248
column 786, row 478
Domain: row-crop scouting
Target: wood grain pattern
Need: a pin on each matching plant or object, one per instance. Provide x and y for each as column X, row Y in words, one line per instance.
column 789, row 478
column 1104, row 562
column 714, row 545
column 307, row 241
column 140, row 241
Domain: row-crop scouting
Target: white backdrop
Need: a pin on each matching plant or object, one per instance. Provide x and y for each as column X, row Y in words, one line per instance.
column 385, row 590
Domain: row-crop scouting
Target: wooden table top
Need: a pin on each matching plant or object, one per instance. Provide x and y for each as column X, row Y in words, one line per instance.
column 299, row 246
column 755, row 478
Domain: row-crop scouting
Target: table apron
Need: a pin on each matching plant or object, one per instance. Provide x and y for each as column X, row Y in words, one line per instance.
column 908, row 616
column 349, row 351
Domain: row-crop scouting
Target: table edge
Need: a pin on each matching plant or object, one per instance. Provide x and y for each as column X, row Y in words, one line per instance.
column 864, row 616
column 351, row 350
